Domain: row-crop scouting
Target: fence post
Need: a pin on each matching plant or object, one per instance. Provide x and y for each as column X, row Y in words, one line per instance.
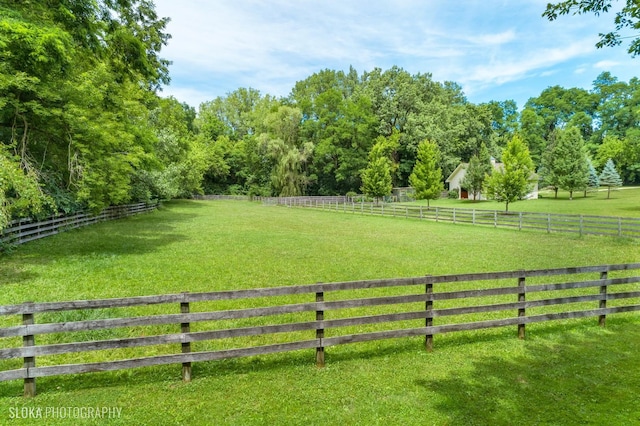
column 29, row 361
column 420, row 212
column 520, row 221
column 603, row 301
column 185, row 327
column 454, row 215
column 319, row 331
column 473, row 216
column 428, row 342
column 581, row 224
column 436, row 214
column 495, row 218
column 521, row 299
column 619, row 227
column 548, row 223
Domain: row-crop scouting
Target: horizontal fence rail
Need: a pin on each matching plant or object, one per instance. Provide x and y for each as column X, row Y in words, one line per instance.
column 25, row 230
column 314, row 316
column 549, row 222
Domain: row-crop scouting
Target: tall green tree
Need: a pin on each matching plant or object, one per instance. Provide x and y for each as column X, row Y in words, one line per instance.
column 594, row 180
column 376, row 177
column 570, row 162
column 477, row 171
column 426, row 177
column 77, row 79
column 513, row 180
column 610, row 177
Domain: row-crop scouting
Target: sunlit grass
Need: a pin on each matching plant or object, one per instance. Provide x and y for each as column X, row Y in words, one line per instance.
column 483, row 377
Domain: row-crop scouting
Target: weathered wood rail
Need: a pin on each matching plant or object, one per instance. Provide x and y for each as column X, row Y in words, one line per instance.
column 470, row 301
column 25, row 230
column 549, row 222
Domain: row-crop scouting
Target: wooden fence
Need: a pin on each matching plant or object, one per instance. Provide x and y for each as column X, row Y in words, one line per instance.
column 313, row 317
column 24, row 230
column 579, row 224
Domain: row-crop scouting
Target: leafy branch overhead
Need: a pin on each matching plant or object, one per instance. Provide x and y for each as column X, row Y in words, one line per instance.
column 627, row 18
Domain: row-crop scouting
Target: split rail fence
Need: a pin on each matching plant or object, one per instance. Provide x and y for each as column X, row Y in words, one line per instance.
column 313, row 317
column 579, row 224
column 25, row 230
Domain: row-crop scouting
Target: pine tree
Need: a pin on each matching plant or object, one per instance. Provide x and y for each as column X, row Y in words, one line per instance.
column 594, row 181
column 609, row 176
column 426, row 177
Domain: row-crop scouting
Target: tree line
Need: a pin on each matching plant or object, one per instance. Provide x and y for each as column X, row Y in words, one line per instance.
column 83, row 123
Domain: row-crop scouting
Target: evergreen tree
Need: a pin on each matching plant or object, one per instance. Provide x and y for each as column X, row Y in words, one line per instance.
column 513, row 181
column 594, row 181
column 426, row 177
column 569, row 161
column 609, row 176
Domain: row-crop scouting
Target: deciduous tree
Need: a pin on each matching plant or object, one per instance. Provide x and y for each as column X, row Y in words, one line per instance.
column 570, row 162
column 627, row 18
column 513, row 180
column 426, row 177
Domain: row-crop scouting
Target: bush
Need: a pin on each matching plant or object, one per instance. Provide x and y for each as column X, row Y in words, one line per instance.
column 453, row 194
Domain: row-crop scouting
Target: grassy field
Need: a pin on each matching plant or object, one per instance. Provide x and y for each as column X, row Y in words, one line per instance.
column 485, row 377
column 623, row 202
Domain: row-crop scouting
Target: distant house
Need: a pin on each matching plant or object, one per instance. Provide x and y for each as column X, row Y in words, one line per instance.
column 457, row 176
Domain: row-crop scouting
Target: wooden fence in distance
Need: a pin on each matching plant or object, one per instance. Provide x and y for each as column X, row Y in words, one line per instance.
column 24, row 230
column 410, row 306
column 549, row 222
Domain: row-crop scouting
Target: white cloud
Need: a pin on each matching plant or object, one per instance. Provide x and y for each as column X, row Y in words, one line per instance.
column 218, row 46
column 605, row 65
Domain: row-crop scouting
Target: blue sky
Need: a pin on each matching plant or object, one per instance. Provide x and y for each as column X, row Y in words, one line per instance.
column 495, row 49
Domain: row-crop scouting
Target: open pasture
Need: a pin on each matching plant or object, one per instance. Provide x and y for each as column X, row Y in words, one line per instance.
column 473, row 377
column 624, row 202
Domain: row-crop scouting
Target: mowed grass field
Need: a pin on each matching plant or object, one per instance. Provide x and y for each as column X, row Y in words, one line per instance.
column 566, row 372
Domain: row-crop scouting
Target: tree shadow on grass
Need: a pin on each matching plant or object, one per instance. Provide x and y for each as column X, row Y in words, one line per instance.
column 134, row 235
column 584, row 376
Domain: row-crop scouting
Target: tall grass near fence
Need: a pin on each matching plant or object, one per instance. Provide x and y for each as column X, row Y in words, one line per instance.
column 476, row 376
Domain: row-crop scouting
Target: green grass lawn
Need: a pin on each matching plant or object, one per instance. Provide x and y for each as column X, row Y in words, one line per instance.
column 623, row 202
column 566, row 372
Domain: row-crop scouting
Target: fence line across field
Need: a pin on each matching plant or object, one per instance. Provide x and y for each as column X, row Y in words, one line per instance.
column 549, row 222
column 25, row 230
column 317, row 309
